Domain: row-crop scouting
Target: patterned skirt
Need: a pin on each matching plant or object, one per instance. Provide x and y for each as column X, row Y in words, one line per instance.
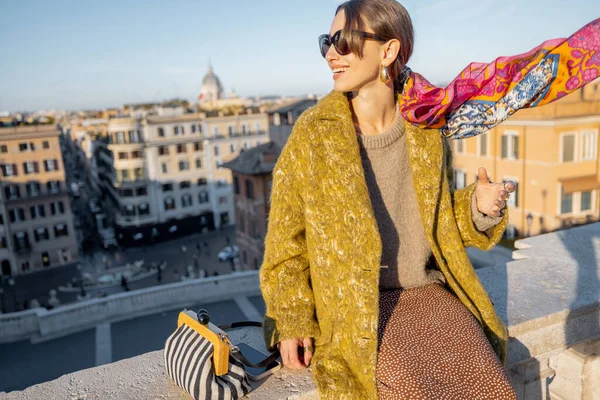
column 432, row 347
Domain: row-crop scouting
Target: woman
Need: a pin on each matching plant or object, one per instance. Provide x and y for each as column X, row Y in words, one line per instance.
column 365, row 274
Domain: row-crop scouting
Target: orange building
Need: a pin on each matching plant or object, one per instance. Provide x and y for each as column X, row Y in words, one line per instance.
column 551, row 152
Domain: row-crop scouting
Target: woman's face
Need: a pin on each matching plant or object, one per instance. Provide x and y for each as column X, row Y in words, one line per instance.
column 351, row 73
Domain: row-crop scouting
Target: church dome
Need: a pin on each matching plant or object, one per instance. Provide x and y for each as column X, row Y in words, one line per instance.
column 212, row 89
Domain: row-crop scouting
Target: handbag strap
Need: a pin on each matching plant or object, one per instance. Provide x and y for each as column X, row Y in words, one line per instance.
column 238, row 354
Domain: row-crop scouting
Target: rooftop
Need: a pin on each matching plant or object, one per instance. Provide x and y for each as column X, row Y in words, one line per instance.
column 253, row 161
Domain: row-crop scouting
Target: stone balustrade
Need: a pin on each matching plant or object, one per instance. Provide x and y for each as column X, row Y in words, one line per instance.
column 549, row 296
column 40, row 324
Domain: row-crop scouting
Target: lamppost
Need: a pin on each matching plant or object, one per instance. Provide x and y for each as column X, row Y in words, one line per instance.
column 184, row 251
column 11, row 285
column 529, row 222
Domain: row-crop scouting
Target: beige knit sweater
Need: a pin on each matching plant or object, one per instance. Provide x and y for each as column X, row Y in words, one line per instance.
column 406, row 256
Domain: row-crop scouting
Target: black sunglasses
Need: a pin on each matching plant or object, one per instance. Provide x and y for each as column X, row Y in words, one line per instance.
column 340, row 44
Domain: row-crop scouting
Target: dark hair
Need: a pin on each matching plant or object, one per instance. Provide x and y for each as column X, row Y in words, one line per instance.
column 388, row 19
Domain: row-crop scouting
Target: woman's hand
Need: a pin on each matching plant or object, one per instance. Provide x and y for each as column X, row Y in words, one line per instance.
column 491, row 197
column 290, row 355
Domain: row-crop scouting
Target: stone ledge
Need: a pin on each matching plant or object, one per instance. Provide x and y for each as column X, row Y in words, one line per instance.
column 549, row 298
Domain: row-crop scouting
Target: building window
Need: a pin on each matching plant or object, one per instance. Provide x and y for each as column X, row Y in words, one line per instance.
column 12, row 192
column 566, row 202
column 3, row 242
column 125, row 192
column 197, row 146
column 586, row 201
column 236, row 185
column 9, row 169
column 184, row 184
column 21, row 241
column 249, row 189
column 53, row 186
column 510, row 145
column 459, row 179
column 31, row 167
column 181, row 148
column 41, row 234
column 16, row 215
column 169, row 203
column 124, row 175
column 3, row 148
column 167, row 187
column 45, row 144
column 198, row 163
column 232, row 148
column 244, row 129
column 138, row 173
column 276, row 119
column 459, row 146
column 201, row 181
column 120, row 137
column 184, row 165
column 483, row 144
column 186, row 200
column 26, row 146
column 136, row 154
column 37, row 211
column 222, row 199
column 133, row 137
column 51, row 165
column 567, row 143
column 176, row 130
column 194, row 128
column 257, row 127
column 57, row 208
column 161, row 132
column 588, row 139
column 203, row 197
column 221, row 183
column 216, row 150
column 163, row 150
column 33, row 189
column 513, row 199
column 164, row 168
column 123, row 155
column 128, row 210
column 215, row 131
column 143, row 209
column 60, row 230
column 141, row 191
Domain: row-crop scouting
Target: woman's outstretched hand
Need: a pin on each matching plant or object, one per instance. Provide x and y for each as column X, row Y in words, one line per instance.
column 290, row 354
column 491, row 197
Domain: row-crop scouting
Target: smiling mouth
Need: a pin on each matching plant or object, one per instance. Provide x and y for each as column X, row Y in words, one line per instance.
column 339, row 70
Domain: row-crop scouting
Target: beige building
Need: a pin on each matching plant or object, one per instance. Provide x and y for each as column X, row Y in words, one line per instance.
column 169, row 174
column 551, row 152
column 37, row 225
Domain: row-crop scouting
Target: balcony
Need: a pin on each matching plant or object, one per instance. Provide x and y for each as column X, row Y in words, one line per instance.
column 548, row 295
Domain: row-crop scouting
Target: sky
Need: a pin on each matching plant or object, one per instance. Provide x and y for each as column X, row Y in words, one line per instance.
column 80, row 54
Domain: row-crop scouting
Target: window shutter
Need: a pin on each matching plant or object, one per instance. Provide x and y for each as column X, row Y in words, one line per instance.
column 14, row 170
column 504, row 146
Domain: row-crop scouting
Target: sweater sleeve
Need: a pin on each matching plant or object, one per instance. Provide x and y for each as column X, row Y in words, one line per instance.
column 285, row 272
column 462, row 200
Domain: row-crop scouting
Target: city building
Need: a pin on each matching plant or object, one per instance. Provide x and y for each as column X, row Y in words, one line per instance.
column 551, row 152
column 37, row 224
column 252, row 171
column 211, row 95
column 169, row 176
column 282, row 119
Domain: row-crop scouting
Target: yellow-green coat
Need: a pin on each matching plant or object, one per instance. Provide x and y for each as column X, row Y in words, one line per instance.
column 320, row 275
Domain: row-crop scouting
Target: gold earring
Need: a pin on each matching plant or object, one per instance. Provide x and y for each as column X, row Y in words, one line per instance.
column 384, row 74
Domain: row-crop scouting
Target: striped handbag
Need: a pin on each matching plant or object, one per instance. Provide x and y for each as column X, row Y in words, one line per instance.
column 201, row 360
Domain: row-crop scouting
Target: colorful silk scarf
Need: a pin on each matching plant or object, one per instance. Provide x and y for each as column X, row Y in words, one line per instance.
column 484, row 95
